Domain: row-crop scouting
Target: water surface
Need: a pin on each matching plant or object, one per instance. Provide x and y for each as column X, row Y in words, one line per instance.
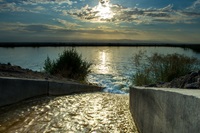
column 112, row 66
column 83, row 113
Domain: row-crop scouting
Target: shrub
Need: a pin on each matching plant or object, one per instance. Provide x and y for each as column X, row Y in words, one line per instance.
column 69, row 65
column 162, row 68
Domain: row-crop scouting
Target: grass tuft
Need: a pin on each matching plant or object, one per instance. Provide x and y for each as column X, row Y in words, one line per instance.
column 161, row 68
column 69, row 65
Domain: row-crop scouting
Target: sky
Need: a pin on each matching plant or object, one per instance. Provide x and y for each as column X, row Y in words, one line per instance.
column 165, row 21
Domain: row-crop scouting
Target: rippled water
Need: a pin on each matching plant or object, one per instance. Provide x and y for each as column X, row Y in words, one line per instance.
column 83, row 113
column 112, row 66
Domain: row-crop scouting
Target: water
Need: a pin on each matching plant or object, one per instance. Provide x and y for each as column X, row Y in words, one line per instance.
column 82, row 113
column 112, row 66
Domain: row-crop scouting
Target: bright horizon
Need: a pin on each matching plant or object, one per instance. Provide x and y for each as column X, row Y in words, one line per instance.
column 100, row 20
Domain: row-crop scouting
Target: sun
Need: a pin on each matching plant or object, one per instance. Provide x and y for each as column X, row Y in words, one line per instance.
column 103, row 10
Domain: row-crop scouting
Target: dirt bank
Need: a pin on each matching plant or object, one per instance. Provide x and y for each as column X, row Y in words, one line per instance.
column 8, row 70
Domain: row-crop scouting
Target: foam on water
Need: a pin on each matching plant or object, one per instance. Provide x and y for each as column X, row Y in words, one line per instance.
column 113, row 83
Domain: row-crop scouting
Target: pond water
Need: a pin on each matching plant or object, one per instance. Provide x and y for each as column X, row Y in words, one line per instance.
column 112, row 66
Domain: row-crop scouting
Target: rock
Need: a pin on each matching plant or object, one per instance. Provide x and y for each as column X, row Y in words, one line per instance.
column 193, row 74
column 198, row 80
column 151, row 85
column 199, row 72
column 194, row 85
column 189, row 81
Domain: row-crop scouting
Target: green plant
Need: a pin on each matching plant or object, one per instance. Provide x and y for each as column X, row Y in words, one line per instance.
column 69, row 65
column 161, row 68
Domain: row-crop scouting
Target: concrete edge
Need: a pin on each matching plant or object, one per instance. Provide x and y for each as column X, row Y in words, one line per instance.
column 165, row 109
column 13, row 90
column 187, row 92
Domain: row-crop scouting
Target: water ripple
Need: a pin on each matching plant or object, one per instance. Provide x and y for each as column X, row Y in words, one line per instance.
column 83, row 113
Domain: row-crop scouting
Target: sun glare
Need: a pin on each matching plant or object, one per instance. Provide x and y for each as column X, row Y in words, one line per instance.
column 103, row 58
column 104, row 11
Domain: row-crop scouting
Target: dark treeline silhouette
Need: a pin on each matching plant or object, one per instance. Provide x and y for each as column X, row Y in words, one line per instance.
column 194, row 47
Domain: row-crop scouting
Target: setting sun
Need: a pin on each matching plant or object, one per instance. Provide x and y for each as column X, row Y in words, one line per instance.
column 104, row 11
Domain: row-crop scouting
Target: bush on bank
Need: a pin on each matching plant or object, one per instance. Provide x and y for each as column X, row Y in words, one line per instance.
column 161, row 68
column 69, row 65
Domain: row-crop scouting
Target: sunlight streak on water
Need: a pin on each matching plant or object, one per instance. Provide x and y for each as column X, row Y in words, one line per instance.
column 104, row 58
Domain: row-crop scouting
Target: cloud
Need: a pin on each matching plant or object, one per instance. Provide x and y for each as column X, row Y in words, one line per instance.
column 27, row 28
column 39, row 8
column 67, row 24
column 191, row 14
column 42, row 28
column 47, row 32
column 11, row 7
column 22, row 29
column 35, row 2
column 120, row 14
column 195, row 6
column 34, row 6
column 192, row 11
column 105, row 11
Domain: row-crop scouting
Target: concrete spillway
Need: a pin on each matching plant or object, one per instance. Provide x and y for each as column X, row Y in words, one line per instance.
column 78, row 113
column 13, row 90
column 165, row 110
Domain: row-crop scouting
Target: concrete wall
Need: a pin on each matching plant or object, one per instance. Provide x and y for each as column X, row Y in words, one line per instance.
column 13, row 90
column 59, row 88
column 164, row 110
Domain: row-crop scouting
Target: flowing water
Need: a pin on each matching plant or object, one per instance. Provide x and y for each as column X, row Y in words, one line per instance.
column 83, row 113
column 112, row 66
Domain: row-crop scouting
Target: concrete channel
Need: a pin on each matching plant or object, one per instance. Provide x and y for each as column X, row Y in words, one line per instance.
column 13, row 90
column 165, row 110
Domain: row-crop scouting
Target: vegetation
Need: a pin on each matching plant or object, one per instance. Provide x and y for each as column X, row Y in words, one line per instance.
column 69, row 65
column 162, row 68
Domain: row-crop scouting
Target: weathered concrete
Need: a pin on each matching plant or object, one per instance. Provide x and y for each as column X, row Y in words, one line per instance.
column 13, row 90
column 59, row 88
column 164, row 110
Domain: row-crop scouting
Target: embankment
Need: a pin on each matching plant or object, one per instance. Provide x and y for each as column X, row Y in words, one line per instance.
column 13, row 90
column 164, row 110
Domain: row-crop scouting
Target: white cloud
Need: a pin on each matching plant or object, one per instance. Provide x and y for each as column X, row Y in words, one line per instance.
column 39, row 8
column 133, row 15
column 29, row 28
column 11, row 7
column 35, row 2
column 67, row 24
column 194, row 7
column 196, row 4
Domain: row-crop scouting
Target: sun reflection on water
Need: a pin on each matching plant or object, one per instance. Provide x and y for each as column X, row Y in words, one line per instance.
column 104, row 58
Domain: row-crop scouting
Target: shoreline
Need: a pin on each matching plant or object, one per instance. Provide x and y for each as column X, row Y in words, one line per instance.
column 92, row 44
column 194, row 47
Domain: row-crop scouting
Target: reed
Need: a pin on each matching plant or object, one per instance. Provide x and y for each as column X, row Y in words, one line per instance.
column 161, row 68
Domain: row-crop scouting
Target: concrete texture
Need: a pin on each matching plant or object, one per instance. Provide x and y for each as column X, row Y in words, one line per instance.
column 59, row 88
column 13, row 90
column 164, row 110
